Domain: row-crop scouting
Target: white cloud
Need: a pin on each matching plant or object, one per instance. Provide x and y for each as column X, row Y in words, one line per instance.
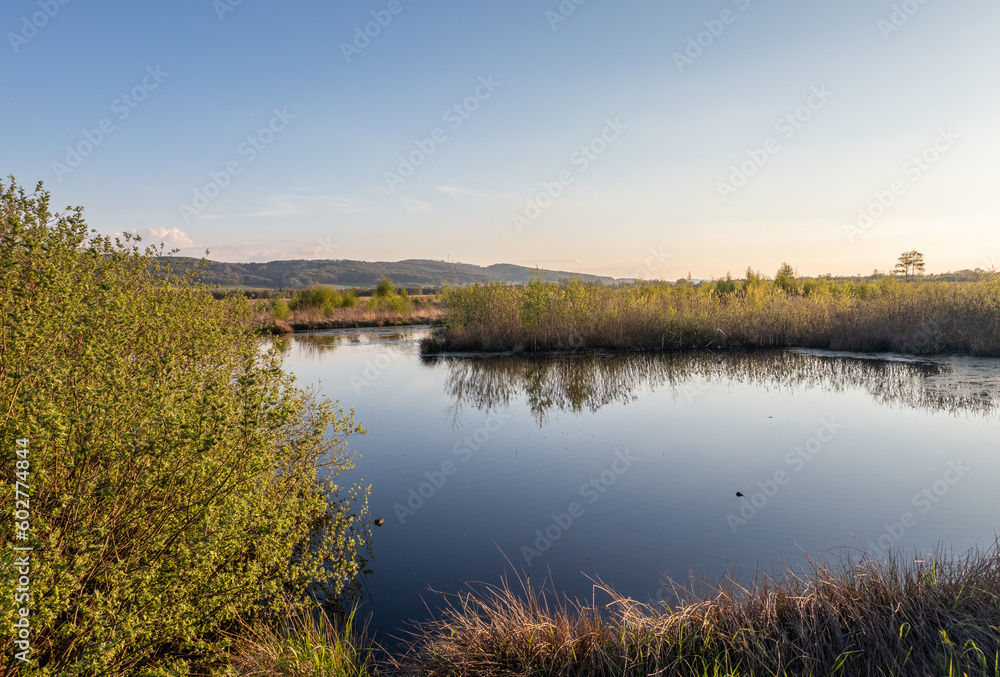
column 171, row 237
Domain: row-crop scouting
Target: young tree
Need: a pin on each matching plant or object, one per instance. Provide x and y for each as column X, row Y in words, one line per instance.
column 784, row 279
column 910, row 263
column 752, row 280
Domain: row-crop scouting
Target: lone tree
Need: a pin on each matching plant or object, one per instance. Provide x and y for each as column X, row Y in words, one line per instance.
column 910, row 263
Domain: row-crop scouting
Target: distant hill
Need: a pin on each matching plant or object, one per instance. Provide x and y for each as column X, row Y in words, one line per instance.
column 409, row 273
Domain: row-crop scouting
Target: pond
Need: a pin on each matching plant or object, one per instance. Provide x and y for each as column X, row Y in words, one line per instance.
column 625, row 468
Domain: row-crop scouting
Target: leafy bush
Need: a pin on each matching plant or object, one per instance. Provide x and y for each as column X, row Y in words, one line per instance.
column 280, row 309
column 179, row 480
column 351, row 299
column 321, row 297
column 385, row 298
column 385, row 289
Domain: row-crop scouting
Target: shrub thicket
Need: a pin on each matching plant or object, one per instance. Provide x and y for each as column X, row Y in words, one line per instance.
column 180, row 483
column 321, row 297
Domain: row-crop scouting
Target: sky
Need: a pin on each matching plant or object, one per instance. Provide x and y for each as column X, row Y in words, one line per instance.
column 643, row 138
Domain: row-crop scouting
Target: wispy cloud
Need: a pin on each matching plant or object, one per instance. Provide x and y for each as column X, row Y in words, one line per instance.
column 413, row 205
column 290, row 248
column 248, row 251
column 292, row 204
column 459, row 191
column 555, row 263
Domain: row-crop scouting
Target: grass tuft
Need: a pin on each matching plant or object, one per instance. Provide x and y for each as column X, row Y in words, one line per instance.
column 304, row 644
column 862, row 618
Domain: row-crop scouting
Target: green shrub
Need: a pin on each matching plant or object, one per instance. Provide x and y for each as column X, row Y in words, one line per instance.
column 321, row 297
column 385, row 288
column 280, row 309
column 726, row 285
column 785, row 280
column 351, row 299
column 179, row 481
column 385, row 298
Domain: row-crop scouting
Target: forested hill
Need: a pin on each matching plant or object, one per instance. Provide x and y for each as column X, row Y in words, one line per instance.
column 412, row 272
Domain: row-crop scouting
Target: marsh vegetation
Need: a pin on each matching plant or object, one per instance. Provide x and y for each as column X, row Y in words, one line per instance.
column 325, row 307
column 888, row 315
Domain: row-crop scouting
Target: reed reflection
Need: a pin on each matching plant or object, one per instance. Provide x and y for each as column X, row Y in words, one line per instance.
column 588, row 382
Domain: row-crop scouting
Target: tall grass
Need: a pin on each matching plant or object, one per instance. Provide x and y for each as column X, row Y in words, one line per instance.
column 859, row 618
column 890, row 315
column 303, row 644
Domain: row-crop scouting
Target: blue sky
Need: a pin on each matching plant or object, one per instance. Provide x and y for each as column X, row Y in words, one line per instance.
column 635, row 138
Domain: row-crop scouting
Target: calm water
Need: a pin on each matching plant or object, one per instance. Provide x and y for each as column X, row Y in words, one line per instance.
column 626, row 468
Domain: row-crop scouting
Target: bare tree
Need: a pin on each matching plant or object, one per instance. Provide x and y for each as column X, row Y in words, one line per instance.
column 910, row 263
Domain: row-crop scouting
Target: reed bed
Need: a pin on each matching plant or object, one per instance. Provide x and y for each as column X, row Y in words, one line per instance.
column 862, row 618
column 890, row 315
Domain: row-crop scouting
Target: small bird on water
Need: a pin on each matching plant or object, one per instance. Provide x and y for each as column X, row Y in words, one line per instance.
column 379, row 521
column 739, row 493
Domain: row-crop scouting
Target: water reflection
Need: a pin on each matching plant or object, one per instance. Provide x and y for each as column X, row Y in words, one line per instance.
column 589, row 382
column 315, row 345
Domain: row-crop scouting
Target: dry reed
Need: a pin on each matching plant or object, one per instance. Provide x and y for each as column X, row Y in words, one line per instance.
column 862, row 618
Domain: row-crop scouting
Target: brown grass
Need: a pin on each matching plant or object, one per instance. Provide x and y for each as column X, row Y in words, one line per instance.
column 863, row 618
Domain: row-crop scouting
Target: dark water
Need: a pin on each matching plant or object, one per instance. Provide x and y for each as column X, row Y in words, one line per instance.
column 626, row 468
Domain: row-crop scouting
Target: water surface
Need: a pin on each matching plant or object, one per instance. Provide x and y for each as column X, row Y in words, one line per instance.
column 625, row 468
